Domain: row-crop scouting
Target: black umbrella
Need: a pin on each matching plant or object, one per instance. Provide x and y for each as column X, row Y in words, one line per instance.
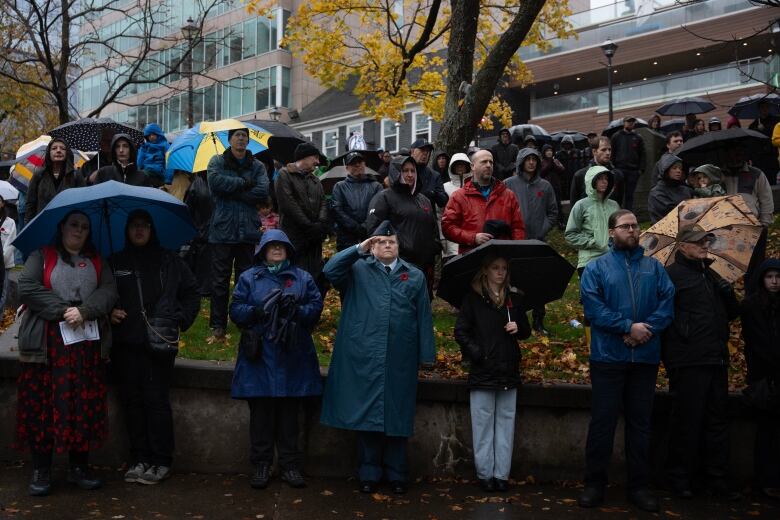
column 339, row 173
column 709, row 148
column 372, row 158
column 580, row 139
column 520, row 132
column 617, row 124
column 85, row 134
column 672, row 125
column 282, row 143
column 684, row 106
column 747, row 107
column 534, row 267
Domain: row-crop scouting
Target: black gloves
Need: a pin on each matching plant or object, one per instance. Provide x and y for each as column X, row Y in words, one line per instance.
column 259, row 314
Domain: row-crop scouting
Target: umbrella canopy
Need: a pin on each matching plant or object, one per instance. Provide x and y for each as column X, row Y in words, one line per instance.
column 107, row 205
column 192, row 150
column 283, row 140
column 31, row 156
column 580, row 139
column 8, row 192
column 735, row 227
column 534, row 267
column 617, row 124
column 672, row 125
column 684, row 106
column 520, row 132
column 747, row 106
column 85, row 134
column 710, row 147
column 339, row 173
column 372, row 158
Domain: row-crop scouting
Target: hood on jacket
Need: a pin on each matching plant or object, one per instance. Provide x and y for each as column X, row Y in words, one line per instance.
column 395, row 174
column 48, row 163
column 154, row 242
column 455, row 178
column 546, row 147
column 522, row 155
column 590, row 181
column 274, row 235
column 154, row 128
column 437, row 154
column 133, row 151
column 666, row 162
column 713, row 173
column 766, row 265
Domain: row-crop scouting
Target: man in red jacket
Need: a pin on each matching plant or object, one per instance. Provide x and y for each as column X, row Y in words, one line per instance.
column 482, row 198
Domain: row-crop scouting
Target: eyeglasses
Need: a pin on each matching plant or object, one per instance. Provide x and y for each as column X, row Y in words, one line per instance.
column 626, row 227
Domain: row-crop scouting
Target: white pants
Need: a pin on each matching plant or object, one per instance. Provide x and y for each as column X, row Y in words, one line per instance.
column 493, row 431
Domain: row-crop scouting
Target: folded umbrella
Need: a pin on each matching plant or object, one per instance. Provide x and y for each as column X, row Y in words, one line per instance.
column 339, row 173
column 684, row 106
column 534, row 267
column 108, row 205
column 709, row 148
column 747, row 106
column 735, row 227
column 85, row 134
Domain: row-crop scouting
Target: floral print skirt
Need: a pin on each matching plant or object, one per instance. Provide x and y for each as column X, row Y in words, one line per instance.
column 61, row 404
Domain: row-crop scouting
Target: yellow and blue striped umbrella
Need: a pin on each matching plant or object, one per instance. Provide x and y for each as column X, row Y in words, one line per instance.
column 192, row 150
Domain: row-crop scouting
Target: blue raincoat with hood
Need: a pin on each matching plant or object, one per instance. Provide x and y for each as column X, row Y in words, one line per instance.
column 151, row 155
column 291, row 370
column 385, row 332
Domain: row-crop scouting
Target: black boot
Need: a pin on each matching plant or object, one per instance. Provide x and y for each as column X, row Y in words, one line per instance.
column 80, row 476
column 40, row 484
column 260, row 477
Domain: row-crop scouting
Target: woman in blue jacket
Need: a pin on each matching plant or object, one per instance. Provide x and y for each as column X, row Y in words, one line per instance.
column 279, row 304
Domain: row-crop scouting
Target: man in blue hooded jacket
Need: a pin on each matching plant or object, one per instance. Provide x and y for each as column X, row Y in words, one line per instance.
column 629, row 300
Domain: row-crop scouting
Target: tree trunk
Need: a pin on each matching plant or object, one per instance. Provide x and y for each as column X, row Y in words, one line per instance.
column 462, row 115
column 61, row 78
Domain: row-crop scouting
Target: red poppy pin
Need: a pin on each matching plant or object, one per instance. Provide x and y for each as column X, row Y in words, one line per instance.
column 426, row 209
column 82, row 264
column 540, row 194
column 288, row 283
column 404, row 277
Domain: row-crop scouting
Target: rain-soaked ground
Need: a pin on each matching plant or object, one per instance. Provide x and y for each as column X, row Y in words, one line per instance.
column 198, row 496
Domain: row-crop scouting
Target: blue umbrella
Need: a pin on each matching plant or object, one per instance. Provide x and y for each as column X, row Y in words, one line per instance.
column 107, row 205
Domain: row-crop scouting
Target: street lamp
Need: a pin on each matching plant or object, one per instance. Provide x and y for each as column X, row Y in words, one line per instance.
column 190, row 32
column 274, row 113
column 609, row 47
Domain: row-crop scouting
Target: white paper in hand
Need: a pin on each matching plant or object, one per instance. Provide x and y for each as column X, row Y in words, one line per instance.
column 88, row 331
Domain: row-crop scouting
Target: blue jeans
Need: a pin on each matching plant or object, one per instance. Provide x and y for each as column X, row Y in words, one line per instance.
column 616, row 386
column 493, row 431
column 379, row 453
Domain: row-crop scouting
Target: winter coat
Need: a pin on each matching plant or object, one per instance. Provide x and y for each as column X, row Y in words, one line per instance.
column 130, row 174
column 703, row 307
column 753, row 186
column 504, row 156
column 290, row 370
column 551, row 171
column 384, row 333
column 467, row 211
column 628, row 151
column 714, row 188
column 493, row 353
column 44, row 187
column 151, row 156
column 413, row 217
column 235, row 219
column 537, row 202
column 588, row 227
column 571, row 159
column 619, row 289
column 351, row 199
column 8, row 235
column 45, row 308
column 431, row 185
column 169, row 288
column 443, row 174
column 303, row 213
column 760, row 314
column 659, row 170
column 455, row 183
column 667, row 193
column 578, row 191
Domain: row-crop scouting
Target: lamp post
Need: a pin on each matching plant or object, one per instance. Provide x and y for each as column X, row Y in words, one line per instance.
column 609, row 47
column 190, row 32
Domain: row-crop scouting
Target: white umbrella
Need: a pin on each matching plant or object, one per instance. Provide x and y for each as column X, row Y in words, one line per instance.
column 8, row 192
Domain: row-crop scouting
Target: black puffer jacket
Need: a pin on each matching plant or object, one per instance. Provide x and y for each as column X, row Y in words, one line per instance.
column 411, row 214
column 628, row 151
column 44, row 187
column 351, row 199
column 667, row 193
column 493, row 353
column 703, row 307
column 129, row 174
column 761, row 328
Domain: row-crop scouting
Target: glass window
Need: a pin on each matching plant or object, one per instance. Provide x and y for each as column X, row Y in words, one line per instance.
column 210, row 52
column 389, row 135
column 285, row 87
column 209, row 100
column 234, row 103
column 250, row 38
column 330, row 142
column 263, row 35
column 422, row 126
column 248, row 94
column 275, row 23
column 236, row 42
column 274, row 81
column 263, row 93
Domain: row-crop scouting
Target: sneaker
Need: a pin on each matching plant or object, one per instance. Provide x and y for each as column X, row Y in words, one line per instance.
column 81, row 477
column 136, row 471
column 293, row 478
column 260, row 477
column 154, row 475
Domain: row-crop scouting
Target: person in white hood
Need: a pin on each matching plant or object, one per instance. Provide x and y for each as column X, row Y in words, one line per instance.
column 459, row 171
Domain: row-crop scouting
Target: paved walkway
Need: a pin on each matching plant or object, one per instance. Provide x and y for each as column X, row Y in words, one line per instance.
column 194, row 496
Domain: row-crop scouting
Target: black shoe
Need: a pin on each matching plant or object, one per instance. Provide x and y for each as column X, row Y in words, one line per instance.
column 644, row 499
column 539, row 328
column 398, row 487
column 80, row 476
column 487, row 485
column 260, row 477
column 367, row 486
column 502, row 486
column 40, row 484
column 721, row 491
column 591, row 496
column 293, row 478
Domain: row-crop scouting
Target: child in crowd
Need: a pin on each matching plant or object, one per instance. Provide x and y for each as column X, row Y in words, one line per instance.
column 151, row 154
column 269, row 219
column 705, row 181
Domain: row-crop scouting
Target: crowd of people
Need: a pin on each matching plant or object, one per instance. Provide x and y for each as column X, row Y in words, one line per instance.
column 265, row 230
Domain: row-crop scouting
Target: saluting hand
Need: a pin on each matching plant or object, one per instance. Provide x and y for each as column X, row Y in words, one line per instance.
column 367, row 244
